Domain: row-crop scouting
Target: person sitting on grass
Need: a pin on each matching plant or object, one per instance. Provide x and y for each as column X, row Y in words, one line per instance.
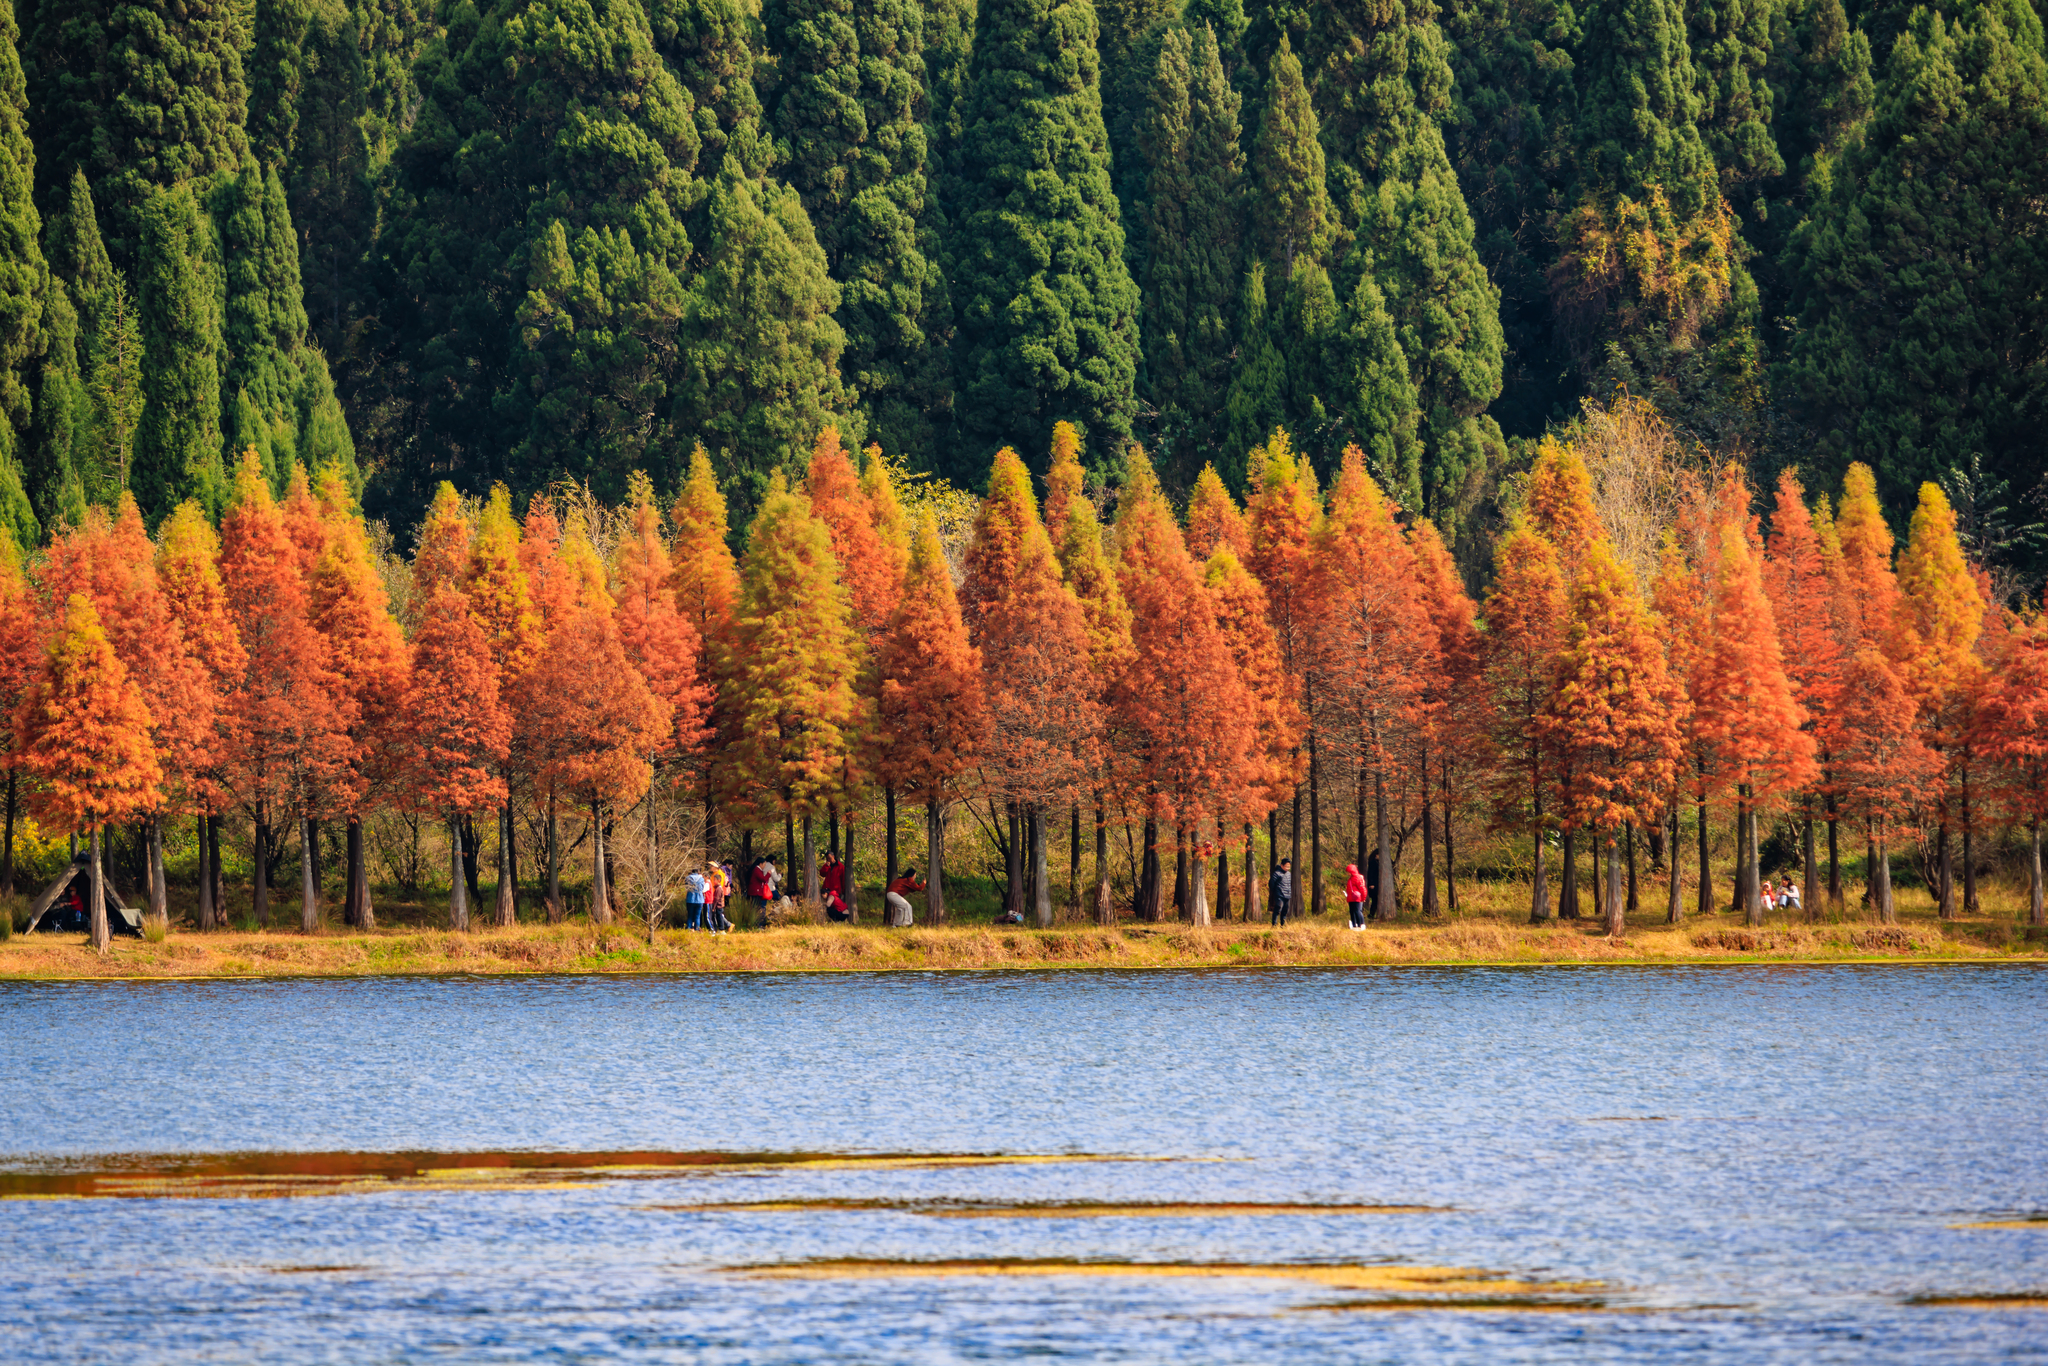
column 835, row 905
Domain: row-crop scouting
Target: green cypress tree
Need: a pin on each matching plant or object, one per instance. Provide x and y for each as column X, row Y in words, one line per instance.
column 1381, row 412
column 1129, row 34
column 1257, row 399
column 1732, row 43
column 538, row 113
column 165, row 103
column 1381, row 80
column 1291, row 208
column 264, row 322
column 89, row 463
column 277, row 77
column 1510, row 139
column 1194, row 246
column 714, row 48
column 64, row 59
column 25, row 287
column 1925, row 338
column 178, row 439
column 846, row 116
column 1044, row 303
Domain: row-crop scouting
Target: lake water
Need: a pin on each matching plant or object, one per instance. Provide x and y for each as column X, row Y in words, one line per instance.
column 1753, row 1164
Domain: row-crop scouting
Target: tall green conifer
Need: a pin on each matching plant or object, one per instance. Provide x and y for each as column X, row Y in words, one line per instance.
column 178, row 440
column 1044, row 302
column 26, row 292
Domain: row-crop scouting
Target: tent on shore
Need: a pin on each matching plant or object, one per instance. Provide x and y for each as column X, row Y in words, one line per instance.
column 65, row 905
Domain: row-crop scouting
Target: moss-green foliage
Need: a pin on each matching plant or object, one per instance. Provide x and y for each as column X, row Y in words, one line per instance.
column 1045, row 306
column 1193, row 247
column 25, row 287
column 1731, row 43
column 178, row 441
column 1380, row 76
column 846, row 118
column 547, row 173
column 1926, row 320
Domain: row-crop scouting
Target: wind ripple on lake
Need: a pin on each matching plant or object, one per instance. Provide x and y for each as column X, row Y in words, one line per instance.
column 1812, row 1135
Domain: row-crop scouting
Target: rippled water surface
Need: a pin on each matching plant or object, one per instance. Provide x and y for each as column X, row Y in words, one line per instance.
column 1753, row 1164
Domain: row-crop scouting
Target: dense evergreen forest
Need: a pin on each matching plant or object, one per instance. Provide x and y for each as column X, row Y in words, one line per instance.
column 529, row 241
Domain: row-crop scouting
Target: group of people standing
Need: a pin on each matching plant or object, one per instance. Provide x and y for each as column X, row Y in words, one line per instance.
column 1361, row 891
column 706, row 891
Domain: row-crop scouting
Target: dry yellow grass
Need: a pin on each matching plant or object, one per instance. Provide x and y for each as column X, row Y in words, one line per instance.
column 1475, row 937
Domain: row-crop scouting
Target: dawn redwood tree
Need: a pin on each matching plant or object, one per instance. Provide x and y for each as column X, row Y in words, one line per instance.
column 1372, row 647
column 1045, row 720
column 1800, row 581
column 499, row 599
column 441, row 557
column 933, row 709
column 796, row 653
column 351, row 610
column 1615, row 709
column 1273, row 765
column 188, row 571
column 594, row 719
column 20, row 636
column 2012, row 731
column 1448, row 704
column 1214, row 519
column 1064, row 481
column 83, row 735
column 289, row 717
column 1090, row 574
column 1885, row 768
column 113, row 564
column 1745, row 707
column 1283, row 507
column 1524, row 611
column 457, row 730
column 872, row 574
column 658, row 640
column 1935, row 644
column 1183, row 702
column 1680, row 597
column 706, row 582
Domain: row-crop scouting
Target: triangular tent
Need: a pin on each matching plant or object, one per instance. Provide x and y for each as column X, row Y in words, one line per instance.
column 53, row 910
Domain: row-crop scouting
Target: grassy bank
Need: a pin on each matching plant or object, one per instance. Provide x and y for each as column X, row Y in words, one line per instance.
column 582, row 948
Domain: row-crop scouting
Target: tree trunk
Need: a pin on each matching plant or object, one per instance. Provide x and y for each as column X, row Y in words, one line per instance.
column 1251, row 873
column 1450, row 846
column 1315, row 829
column 505, row 906
column 1881, row 886
column 1568, row 885
column 1617, row 918
column 832, row 828
column 1148, row 880
column 1870, row 871
column 7, row 853
column 1294, row 858
column 102, row 938
column 1013, row 861
column 1105, row 909
column 1383, row 843
column 1360, row 847
column 1810, row 886
column 811, row 897
column 1752, row 875
column 220, row 877
column 1675, row 911
column 554, row 863
column 472, row 855
column 1074, row 862
column 1222, row 878
column 889, row 864
column 935, row 863
column 1706, row 894
column 1599, row 852
column 789, row 864
column 362, row 913
column 458, row 885
column 1198, row 883
column 1041, row 886
column 1429, row 906
column 1653, row 835
column 309, row 876
column 1834, row 857
column 1180, row 872
column 1539, row 883
column 159, row 894
column 2037, row 913
column 1970, row 906
column 260, row 894
column 205, row 913
column 1629, row 831
column 1944, row 879
column 849, row 885
column 600, row 884
column 657, row 910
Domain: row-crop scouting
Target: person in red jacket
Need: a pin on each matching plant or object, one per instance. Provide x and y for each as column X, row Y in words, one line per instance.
column 1355, row 895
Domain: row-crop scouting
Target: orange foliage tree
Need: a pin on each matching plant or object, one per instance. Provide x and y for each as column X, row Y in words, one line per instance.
column 83, row 734
column 2012, row 732
column 1214, row 520
column 1282, row 508
column 457, row 730
column 1090, row 576
column 502, row 604
column 1525, row 614
column 933, row 711
column 1183, row 704
column 1615, row 712
column 1885, row 768
column 289, row 717
column 188, row 571
column 1449, row 709
column 1800, row 580
column 20, row 634
column 1272, row 763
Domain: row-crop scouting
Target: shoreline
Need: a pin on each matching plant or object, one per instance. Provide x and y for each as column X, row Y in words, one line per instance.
column 575, row 949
